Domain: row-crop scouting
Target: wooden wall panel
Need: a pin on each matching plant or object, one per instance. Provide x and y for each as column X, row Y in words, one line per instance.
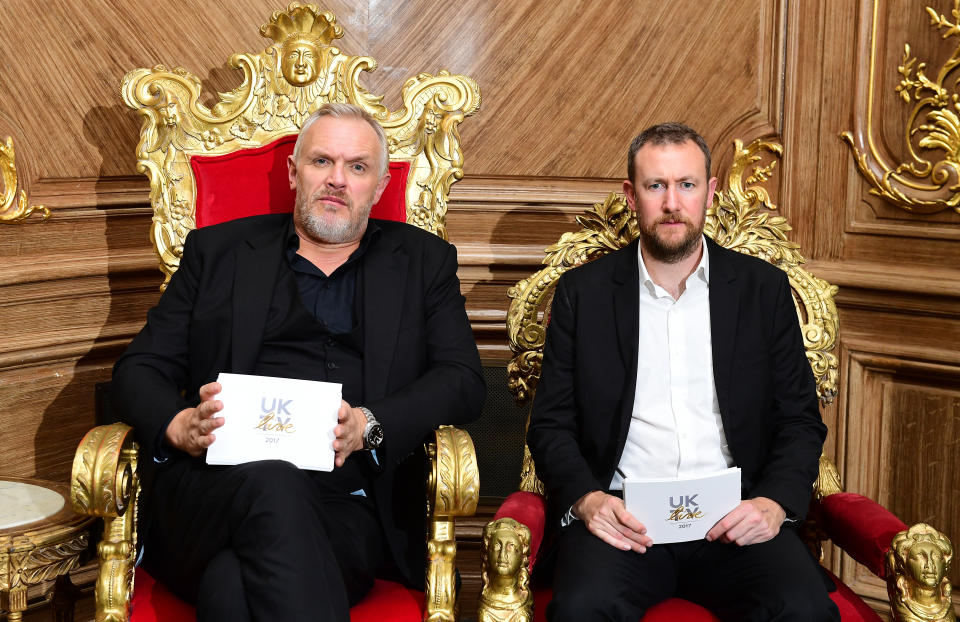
column 565, row 86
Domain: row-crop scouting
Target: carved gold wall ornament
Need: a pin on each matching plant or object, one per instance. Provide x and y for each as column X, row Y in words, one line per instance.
column 505, row 560
column 740, row 218
column 281, row 86
column 930, row 182
column 14, row 208
column 918, row 575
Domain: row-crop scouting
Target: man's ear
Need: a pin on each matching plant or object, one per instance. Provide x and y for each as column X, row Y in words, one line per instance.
column 630, row 195
column 292, row 172
column 381, row 186
column 712, row 185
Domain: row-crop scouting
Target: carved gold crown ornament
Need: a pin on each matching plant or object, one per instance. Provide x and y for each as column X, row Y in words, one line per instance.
column 14, row 208
column 281, row 86
column 740, row 218
column 929, row 180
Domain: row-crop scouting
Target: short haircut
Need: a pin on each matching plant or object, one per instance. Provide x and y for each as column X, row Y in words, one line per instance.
column 671, row 133
column 346, row 111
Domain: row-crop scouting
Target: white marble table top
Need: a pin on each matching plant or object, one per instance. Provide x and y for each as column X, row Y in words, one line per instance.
column 22, row 503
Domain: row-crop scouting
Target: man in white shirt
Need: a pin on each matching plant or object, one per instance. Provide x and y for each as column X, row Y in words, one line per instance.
column 674, row 357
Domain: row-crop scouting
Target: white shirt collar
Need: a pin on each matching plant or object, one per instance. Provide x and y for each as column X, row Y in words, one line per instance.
column 702, row 271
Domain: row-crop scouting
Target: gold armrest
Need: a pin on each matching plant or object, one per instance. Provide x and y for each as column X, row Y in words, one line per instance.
column 453, row 489
column 104, row 483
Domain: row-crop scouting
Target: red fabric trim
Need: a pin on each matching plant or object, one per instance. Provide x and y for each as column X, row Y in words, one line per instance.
column 389, row 602
column 852, row 608
column 154, row 602
column 249, row 182
column 386, row 602
column 861, row 527
column 528, row 509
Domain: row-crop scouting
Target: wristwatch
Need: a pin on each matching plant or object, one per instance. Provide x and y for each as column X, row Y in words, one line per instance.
column 373, row 433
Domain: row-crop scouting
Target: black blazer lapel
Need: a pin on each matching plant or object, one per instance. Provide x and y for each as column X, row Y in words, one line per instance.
column 384, row 280
column 724, row 311
column 255, row 276
column 626, row 309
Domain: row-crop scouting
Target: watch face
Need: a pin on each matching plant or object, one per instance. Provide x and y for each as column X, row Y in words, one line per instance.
column 374, row 436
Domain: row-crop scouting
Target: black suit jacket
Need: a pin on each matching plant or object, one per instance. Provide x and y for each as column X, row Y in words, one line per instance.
column 420, row 362
column 765, row 386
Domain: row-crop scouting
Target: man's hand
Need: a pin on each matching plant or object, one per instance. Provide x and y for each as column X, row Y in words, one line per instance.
column 351, row 423
column 191, row 429
column 752, row 522
column 606, row 517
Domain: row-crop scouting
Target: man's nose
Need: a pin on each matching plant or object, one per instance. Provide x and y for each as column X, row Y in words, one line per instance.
column 671, row 202
column 337, row 178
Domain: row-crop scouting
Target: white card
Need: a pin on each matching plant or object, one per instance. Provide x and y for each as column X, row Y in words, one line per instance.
column 276, row 419
column 682, row 509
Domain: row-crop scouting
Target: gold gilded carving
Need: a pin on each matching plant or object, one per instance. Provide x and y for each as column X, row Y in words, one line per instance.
column 105, row 483
column 918, row 582
column 455, row 479
column 505, row 560
column 828, row 479
column 740, row 218
column 453, row 489
column 280, row 87
column 923, row 183
column 14, row 208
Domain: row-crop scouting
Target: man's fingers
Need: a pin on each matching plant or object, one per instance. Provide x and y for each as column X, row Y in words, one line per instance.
column 208, row 390
column 628, row 519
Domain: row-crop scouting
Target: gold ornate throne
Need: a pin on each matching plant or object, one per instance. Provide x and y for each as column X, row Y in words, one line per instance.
column 204, row 165
column 741, row 218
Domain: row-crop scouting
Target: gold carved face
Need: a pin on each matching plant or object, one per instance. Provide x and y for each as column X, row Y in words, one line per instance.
column 506, row 552
column 299, row 61
column 925, row 563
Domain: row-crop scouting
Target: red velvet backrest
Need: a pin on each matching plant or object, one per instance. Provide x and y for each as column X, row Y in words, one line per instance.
column 254, row 181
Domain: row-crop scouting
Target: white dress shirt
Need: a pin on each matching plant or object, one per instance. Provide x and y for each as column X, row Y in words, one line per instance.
column 675, row 429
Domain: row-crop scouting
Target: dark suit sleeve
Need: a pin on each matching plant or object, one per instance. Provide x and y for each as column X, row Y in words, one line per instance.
column 451, row 389
column 798, row 432
column 150, row 379
column 554, row 423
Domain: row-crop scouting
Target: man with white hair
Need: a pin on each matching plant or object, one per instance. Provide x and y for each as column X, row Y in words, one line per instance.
column 327, row 294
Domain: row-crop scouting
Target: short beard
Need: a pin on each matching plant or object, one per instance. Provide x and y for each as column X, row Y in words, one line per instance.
column 313, row 223
column 665, row 252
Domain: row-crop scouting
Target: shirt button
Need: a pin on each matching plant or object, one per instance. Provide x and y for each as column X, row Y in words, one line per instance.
column 331, row 366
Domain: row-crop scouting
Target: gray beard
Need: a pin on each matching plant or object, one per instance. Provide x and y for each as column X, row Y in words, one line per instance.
column 323, row 230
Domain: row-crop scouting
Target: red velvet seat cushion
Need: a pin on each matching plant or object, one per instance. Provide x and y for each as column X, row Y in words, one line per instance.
column 387, row 602
column 255, row 181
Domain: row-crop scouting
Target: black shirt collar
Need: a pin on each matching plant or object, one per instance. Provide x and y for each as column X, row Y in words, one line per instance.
column 301, row 264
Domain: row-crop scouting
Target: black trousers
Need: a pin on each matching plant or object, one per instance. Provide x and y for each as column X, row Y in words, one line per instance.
column 776, row 580
column 261, row 541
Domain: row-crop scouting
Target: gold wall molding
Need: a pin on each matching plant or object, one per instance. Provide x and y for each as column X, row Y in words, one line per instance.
column 14, row 208
column 923, row 183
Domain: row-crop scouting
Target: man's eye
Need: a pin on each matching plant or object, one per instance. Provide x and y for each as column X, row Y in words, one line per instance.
column 655, row 186
column 359, row 168
column 686, row 185
column 320, row 161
